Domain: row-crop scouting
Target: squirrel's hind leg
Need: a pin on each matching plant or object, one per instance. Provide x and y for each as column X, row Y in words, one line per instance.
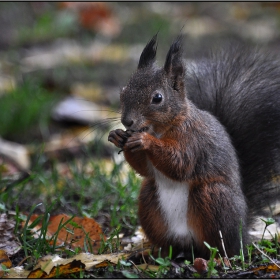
column 149, row 213
column 215, row 207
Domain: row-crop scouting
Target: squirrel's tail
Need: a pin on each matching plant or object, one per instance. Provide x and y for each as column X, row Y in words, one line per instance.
column 241, row 87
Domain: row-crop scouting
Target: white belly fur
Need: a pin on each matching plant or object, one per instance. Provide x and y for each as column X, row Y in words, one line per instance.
column 173, row 200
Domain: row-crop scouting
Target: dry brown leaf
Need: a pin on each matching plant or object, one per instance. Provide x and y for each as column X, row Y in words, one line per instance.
column 61, row 270
column 96, row 261
column 86, row 229
column 8, row 241
column 151, row 267
column 47, row 267
column 266, row 268
column 88, row 226
column 4, row 260
column 16, row 272
column 49, row 262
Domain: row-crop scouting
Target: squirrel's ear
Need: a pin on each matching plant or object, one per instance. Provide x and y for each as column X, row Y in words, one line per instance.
column 173, row 66
column 148, row 55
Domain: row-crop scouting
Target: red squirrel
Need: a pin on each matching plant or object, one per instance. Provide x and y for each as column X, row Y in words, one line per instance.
column 193, row 132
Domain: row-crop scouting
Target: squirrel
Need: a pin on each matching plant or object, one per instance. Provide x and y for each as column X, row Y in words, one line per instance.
column 205, row 137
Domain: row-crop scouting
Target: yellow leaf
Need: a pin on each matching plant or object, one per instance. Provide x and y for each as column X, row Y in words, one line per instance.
column 72, row 267
column 17, row 272
column 49, row 262
column 267, row 268
column 4, row 259
column 148, row 267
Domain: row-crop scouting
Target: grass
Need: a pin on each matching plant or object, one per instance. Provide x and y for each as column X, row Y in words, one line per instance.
column 94, row 187
column 25, row 112
column 211, row 263
column 86, row 186
column 81, row 192
column 89, row 189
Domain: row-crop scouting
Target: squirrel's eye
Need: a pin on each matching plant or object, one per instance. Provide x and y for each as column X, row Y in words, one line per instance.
column 157, row 98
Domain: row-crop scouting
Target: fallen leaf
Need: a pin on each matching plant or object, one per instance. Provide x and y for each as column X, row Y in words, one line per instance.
column 83, row 231
column 104, row 264
column 16, row 272
column 50, row 265
column 97, row 261
column 8, row 241
column 151, row 267
column 4, row 260
column 61, row 270
column 267, row 268
column 87, row 226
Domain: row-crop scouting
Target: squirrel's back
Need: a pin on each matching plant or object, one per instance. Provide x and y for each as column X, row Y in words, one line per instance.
column 241, row 87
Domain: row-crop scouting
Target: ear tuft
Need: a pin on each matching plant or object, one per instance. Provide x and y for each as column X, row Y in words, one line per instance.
column 148, row 55
column 174, row 66
column 174, row 55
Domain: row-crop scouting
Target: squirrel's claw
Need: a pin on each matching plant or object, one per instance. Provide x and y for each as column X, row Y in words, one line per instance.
column 135, row 142
column 118, row 137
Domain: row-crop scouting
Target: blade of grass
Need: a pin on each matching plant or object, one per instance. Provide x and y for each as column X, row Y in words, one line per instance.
column 24, row 232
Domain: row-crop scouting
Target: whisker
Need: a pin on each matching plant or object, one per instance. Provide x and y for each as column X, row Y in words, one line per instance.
column 97, row 110
column 94, row 126
column 112, row 127
column 85, row 100
column 100, row 123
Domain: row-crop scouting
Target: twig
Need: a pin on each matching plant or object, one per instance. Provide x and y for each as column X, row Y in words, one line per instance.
column 135, row 266
column 223, row 245
column 143, row 249
column 265, row 255
column 22, row 261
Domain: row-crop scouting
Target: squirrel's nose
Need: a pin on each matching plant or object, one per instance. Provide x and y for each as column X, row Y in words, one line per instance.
column 127, row 122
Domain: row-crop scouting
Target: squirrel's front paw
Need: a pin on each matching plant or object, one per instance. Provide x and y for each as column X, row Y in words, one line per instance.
column 118, row 137
column 137, row 142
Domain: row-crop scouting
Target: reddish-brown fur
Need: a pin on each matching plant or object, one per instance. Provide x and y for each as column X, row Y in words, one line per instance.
column 174, row 145
column 149, row 213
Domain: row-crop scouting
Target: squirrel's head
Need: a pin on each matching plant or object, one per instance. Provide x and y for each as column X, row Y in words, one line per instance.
column 154, row 96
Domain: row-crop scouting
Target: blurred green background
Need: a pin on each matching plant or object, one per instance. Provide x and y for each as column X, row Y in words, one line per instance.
column 49, row 50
